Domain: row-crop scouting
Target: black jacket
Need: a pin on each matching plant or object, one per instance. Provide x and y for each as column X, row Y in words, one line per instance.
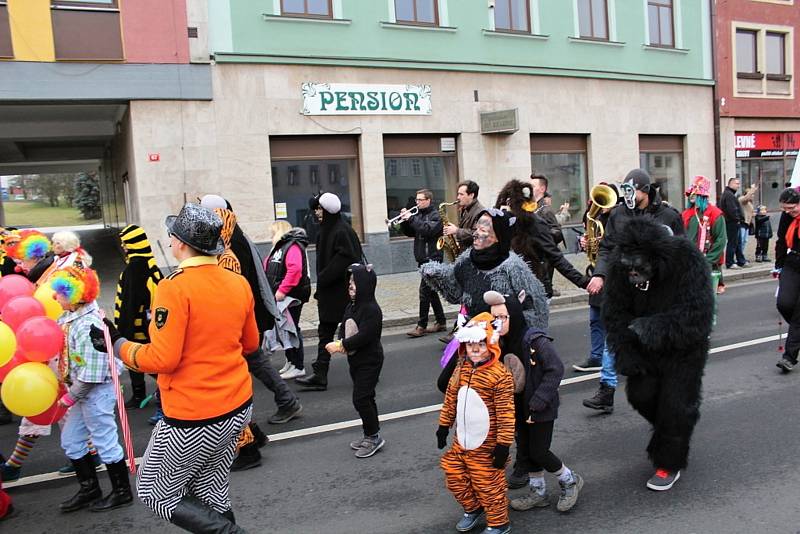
column 426, row 229
column 782, row 254
column 543, row 374
column 337, row 248
column 276, row 264
column 763, row 227
column 547, row 252
column 546, row 212
column 730, row 206
column 365, row 346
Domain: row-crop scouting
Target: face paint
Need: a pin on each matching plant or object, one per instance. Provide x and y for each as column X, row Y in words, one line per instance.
column 483, row 236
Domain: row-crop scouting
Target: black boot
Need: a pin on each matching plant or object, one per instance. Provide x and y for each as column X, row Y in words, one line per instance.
column 258, row 434
column 120, row 489
column 5, row 415
column 193, row 515
column 90, row 489
column 249, row 457
column 229, row 516
column 602, row 400
column 318, row 381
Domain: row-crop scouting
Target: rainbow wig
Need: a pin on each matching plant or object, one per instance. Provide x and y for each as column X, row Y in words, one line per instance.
column 31, row 245
column 75, row 285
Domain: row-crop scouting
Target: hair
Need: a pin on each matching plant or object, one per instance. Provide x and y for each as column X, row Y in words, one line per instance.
column 69, row 240
column 542, row 177
column 472, row 187
column 279, row 228
column 790, row 195
column 427, row 193
column 76, row 285
column 732, row 179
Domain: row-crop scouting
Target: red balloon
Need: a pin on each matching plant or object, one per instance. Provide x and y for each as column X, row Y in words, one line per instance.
column 40, row 339
column 20, row 309
column 53, row 414
column 13, row 362
column 14, row 285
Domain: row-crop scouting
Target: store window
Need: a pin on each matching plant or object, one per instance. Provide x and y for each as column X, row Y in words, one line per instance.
column 562, row 159
column 307, row 8
column 6, row 49
column 659, row 18
column 662, row 157
column 766, row 159
column 304, row 166
column 424, row 12
column 414, row 162
column 91, row 34
column 746, row 52
column 593, row 19
column 512, row 16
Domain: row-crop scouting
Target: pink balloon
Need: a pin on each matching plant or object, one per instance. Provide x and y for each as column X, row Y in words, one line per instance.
column 20, row 309
column 53, row 414
column 39, row 339
column 14, row 285
column 13, row 362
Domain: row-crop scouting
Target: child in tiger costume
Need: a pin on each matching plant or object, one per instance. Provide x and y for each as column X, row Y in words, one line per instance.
column 480, row 398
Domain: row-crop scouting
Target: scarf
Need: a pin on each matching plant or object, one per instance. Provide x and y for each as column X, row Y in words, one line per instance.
column 136, row 286
column 794, row 226
column 228, row 260
column 488, row 258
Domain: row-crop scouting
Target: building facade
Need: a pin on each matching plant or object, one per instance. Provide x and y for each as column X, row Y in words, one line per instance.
column 758, row 92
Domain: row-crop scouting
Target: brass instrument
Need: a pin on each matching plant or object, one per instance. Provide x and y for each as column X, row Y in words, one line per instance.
column 397, row 219
column 447, row 243
column 602, row 197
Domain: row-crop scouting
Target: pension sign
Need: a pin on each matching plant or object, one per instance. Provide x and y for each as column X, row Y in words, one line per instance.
column 365, row 99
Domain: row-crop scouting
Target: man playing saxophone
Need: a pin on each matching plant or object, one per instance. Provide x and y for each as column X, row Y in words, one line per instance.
column 469, row 209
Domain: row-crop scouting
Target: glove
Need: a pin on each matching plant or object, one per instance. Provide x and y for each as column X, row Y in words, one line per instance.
column 776, row 272
column 441, row 436
column 500, row 456
column 98, row 336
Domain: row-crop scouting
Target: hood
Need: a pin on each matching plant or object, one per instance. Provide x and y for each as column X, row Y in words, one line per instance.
column 135, row 243
column 228, row 225
column 479, row 328
column 366, row 280
column 532, row 335
column 297, row 235
column 512, row 341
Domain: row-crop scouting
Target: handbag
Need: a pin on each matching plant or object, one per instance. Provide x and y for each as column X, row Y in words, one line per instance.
column 751, row 229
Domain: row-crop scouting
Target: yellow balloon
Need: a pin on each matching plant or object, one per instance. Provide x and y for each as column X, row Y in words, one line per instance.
column 29, row 389
column 8, row 344
column 52, row 308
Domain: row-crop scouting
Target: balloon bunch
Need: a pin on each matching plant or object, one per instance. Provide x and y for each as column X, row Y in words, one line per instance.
column 29, row 337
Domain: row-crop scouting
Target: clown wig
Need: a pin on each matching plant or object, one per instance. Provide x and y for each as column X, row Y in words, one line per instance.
column 30, row 245
column 75, row 285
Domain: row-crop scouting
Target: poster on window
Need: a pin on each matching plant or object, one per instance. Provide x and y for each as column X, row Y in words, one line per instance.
column 365, row 99
column 766, row 144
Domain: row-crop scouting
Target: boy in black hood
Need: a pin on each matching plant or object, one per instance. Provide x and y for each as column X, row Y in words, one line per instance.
column 360, row 338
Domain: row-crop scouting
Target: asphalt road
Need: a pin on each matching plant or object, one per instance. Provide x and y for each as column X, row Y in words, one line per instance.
column 743, row 476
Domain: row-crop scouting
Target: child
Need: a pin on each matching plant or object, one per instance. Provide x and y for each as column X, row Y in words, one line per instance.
column 474, row 466
column 360, row 338
column 763, row 234
column 91, row 395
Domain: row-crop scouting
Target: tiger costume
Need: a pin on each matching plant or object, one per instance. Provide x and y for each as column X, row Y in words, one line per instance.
column 480, row 401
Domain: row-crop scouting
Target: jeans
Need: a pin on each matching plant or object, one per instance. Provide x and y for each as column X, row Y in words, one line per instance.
column 608, row 374
column 597, row 334
column 733, row 250
column 744, row 233
column 429, row 298
column 296, row 356
column 260, row 366
column 92, row 418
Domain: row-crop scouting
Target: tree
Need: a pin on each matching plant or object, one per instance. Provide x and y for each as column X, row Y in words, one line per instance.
column 24, row 182
column 87, row 195
column 51, row 186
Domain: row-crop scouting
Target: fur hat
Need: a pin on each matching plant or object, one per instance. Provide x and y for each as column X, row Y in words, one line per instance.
column 75, row 285
column 478, row 329
column 330, row 203
column 502, row 222
column 213, row 201
column 700, row 186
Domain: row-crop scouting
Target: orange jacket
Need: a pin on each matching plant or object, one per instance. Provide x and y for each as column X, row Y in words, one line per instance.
column 202, row 326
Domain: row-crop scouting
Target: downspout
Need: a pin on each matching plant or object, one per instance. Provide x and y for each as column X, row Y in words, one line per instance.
column 715, row 96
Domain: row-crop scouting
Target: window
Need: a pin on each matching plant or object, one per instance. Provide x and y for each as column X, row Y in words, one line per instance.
column 562, row 159
column 776, row 53
column 417, row 12
column 512, row 16
column 307, row 8
column 763, row 64
column 746, row 56
column 662, row 157
column 6, row 49
column 593, row 19
column 84, row 3
column 659, row 16
column 91, row 34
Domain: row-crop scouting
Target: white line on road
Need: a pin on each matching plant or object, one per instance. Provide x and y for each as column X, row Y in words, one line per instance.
column 314, row 430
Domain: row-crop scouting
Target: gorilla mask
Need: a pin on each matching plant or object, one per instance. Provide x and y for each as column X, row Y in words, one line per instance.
column 639, row 269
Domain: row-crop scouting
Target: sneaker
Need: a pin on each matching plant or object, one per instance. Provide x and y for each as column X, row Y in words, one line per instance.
column 663, row 480
column 734, row 267
column 358, row 443
column 745, row 265
column 437, row 327
column 370, row 446
column 418, row 331
column 603, row 400
column 156, row 417
column 569, row 493
column 286, row 413
column 529, row 501
column 785, row 365
column 285, row 367
column 590, row 365
column 134, row 403
column 9, row 473
column 469, row 520
column 446, row 339
column 293, row 372
column 502, row 529
column 518, row 478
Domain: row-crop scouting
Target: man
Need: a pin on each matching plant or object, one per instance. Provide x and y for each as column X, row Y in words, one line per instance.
column 748, row 212
column 641, row 199
column 338, row 247
column 203, row 324
column 469, row 209
column 544, row 210
column 734, row 218
column 425, row 227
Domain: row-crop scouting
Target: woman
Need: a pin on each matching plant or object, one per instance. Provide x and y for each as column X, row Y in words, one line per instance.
column 787, row 267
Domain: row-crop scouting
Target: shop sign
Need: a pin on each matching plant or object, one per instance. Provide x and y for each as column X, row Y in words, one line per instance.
column 505, row 121
column 365, row 99
column 766, row 144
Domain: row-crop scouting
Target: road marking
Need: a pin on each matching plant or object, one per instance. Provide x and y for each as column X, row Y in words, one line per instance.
column 314, row 430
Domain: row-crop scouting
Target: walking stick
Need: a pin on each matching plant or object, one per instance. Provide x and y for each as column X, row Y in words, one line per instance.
column 780, row 336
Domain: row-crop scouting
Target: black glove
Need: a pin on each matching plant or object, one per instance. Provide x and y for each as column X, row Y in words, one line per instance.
column 441, row 436
column 98, row 336
column 500, row 456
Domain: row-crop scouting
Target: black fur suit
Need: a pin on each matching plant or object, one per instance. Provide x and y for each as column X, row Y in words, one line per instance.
column 660, row 335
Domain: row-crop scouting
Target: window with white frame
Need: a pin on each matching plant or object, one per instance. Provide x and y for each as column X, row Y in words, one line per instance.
column 660, row 23
column 593, row 19
column 512, row 16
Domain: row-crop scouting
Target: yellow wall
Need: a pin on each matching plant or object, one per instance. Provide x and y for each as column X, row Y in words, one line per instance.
column 31, row 30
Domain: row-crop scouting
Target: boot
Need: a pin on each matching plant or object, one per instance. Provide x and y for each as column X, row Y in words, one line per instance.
column 120, row 489
column 602, row 400
column 229, row 516
column 139, row 394
column 249, row 457
column 258, row 434
column 193, row 515
column 5, row 415
column 318, row 381
column 89, row 490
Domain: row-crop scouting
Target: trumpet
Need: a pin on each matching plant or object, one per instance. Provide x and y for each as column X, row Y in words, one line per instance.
column 398, row 218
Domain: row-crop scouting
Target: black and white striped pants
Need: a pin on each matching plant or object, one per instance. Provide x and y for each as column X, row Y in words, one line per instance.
column 196, row 461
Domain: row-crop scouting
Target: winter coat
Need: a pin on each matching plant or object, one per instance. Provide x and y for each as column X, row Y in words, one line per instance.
column 782, row 253
column 716, row 236
column 546, row 252
column 426, row 229
column 546, row 212
column 763, row 227
column 730, row 206
column 466, row 222
column 275, row 264
column 338, row 247
column 543, row 374
column 365, row 346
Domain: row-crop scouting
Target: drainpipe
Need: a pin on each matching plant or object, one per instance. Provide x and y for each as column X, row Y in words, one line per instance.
column 715, row 96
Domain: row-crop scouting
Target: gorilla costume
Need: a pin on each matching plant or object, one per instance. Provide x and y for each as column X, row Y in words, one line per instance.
column 657, row 311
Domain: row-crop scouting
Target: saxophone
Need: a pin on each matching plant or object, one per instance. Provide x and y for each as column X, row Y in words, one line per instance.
column 602, row 197
column 447, row 243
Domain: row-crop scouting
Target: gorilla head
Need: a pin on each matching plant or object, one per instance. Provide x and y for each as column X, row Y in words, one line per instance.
column 643, row 252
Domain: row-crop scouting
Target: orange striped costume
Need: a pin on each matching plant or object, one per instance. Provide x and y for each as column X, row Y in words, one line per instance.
column 480, row 401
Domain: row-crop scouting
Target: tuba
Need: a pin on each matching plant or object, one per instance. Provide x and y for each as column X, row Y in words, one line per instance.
column 447, row 243
column 602, row 197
